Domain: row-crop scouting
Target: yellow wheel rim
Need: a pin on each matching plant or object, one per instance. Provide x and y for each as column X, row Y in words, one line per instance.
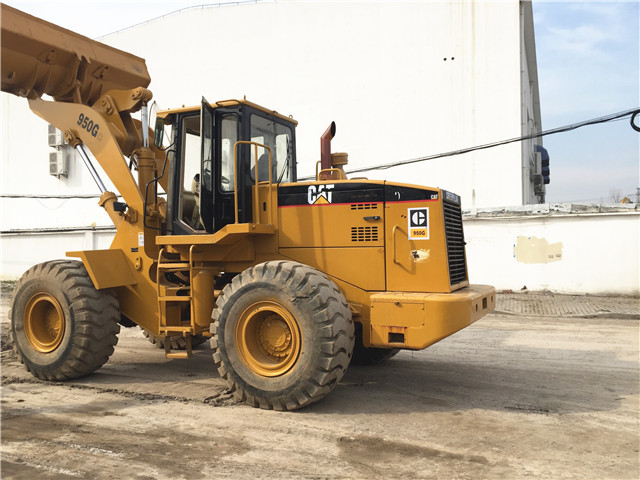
column 44, row 322
column 268, row 339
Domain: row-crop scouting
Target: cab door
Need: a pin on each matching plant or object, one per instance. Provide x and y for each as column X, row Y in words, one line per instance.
column 208, row 170
column 219, row 129
column 227, row 127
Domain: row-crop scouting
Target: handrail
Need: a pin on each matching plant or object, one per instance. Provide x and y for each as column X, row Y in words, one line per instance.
column 341, row 174
column 160, row 316
column 192, row 309
column 235, row 176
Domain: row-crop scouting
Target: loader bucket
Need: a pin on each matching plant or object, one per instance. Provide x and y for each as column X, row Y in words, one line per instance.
column 40, row 58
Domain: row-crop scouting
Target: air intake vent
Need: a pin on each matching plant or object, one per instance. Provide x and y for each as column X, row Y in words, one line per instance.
column 455, row 243
column 364, row 206
column 364, row 234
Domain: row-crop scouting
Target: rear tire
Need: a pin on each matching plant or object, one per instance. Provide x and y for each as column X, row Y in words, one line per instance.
column 282, row 335
column 62, row 327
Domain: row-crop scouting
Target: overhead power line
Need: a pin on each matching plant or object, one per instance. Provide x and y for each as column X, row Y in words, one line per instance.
column 594, row 121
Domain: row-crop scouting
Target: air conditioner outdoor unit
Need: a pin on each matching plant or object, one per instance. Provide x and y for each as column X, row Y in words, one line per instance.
column 56, row 138
column 59, row 163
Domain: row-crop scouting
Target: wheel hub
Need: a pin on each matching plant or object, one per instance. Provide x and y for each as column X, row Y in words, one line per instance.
column 268, row 339
column 44, row 322
column 275, row 336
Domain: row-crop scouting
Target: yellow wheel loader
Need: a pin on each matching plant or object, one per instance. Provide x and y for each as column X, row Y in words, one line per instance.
column 291, row 280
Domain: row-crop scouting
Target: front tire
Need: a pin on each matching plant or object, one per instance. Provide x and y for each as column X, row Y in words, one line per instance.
column 62, row 327
column 282, row 335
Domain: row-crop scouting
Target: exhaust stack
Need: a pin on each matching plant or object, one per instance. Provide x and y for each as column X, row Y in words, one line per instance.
column 325, row 146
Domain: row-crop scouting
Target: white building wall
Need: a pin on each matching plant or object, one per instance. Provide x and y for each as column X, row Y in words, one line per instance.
column 531, row 122
column 377, row 68
column 25, row 179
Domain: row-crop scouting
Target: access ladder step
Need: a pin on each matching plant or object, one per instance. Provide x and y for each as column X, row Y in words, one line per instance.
column 180, row 355
column 169, row 328
column 176, row 298
column 176, row 265
column 163, row 269
column 172, row 290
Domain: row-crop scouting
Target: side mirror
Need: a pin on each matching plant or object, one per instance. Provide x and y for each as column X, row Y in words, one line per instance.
column 158, row 132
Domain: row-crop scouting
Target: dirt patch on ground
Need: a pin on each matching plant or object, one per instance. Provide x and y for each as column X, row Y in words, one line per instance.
column 6, row 344
column 5, row 339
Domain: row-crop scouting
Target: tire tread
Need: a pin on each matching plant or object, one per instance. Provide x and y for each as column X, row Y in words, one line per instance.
column 95, row 315
column 328, row 308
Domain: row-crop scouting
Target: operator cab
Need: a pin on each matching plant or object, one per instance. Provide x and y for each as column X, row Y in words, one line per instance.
column 202, row 176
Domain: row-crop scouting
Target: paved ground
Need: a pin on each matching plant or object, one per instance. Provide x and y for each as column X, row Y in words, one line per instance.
column 547, row 304
column 515, row 395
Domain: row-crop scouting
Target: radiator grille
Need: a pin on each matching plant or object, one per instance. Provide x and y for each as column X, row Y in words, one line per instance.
column 364, row 206
column 455, row 243
column 364, row 234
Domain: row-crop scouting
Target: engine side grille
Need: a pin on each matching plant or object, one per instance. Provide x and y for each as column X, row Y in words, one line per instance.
column 455, row 243
column 364, row 234
column 364, row 206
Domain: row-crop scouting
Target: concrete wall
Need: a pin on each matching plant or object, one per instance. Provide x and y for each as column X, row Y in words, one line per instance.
column 562, row 248
column 21, row 250
column 566, row 248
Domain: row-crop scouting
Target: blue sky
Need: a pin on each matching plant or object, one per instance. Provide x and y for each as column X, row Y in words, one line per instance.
column 588, row 66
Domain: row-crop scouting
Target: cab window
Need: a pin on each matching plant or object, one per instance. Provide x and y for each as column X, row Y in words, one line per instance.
column 189, row 206
column 229, row 137
column 279, row 139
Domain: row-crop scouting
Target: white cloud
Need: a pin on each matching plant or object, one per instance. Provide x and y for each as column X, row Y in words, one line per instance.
column 585, row 40
column 588, row 59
